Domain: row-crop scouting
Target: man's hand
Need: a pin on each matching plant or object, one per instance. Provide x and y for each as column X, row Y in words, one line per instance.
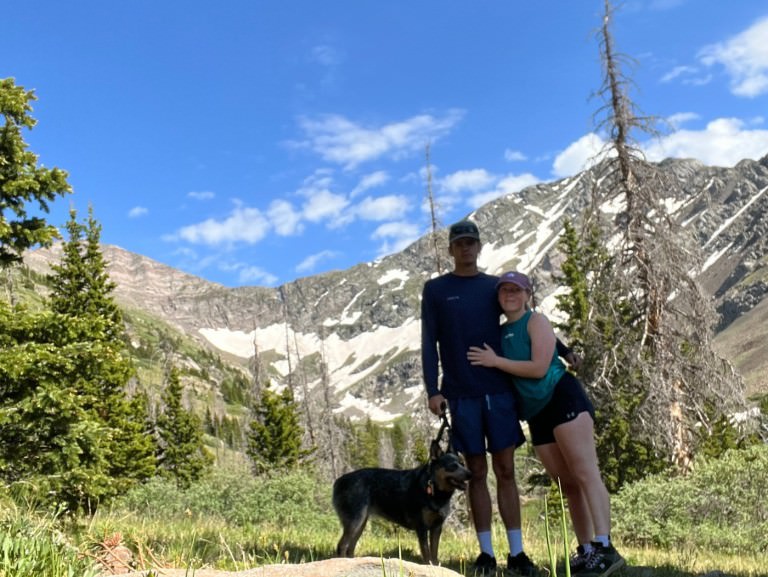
column 437, row 404
column 485, row 357
column 574, row 361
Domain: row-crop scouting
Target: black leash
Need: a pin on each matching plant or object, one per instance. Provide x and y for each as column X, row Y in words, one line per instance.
column 444, row 426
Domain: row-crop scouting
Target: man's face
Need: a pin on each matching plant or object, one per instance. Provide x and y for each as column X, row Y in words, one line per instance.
column 465, row 250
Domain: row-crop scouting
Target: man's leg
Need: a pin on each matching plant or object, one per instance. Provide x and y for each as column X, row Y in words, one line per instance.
column 507, row 494
column 479, row 498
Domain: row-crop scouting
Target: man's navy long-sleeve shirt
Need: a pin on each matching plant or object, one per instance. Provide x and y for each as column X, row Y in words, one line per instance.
column 458, row 312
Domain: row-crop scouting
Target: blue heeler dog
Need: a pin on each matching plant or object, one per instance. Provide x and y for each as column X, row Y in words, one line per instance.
column 417, row 499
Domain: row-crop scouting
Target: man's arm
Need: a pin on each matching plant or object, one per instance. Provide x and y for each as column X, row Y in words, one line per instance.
column 429, row 355
column 572, row 358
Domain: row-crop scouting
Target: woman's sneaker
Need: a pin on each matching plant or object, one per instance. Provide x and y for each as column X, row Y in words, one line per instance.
column 578, row 561
column 520, row 564
column 602, row 561
column 485, row 564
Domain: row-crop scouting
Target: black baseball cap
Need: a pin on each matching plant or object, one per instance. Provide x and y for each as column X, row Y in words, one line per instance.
column 463, row 229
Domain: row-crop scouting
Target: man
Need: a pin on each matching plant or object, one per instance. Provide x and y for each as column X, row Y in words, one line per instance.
column 458, row 310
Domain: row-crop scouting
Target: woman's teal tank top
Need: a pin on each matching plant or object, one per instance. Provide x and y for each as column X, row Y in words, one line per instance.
column 534, row 394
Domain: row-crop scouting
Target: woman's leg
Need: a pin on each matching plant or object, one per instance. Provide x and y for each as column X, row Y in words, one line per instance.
column 550, row 456
column 576, row 442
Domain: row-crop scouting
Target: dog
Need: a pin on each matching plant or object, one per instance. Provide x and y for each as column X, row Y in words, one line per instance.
column 417, row 499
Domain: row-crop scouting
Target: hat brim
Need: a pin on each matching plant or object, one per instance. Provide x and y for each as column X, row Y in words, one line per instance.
column 465, row 235
column 517, row 284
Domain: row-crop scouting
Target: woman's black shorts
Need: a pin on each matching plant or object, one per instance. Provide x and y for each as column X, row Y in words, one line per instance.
column 568, row 401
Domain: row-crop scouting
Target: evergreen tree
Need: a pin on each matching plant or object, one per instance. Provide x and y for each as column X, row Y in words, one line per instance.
column 364, row 449
column 51, row 445
column 21, row 181
column 182, row 456
column 80, row 284
column 275, row 435
column 82, row 289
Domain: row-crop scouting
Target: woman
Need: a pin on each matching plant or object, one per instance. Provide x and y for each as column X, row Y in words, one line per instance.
column 560, row 418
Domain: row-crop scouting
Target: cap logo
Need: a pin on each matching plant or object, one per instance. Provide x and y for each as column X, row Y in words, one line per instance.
column 463, row 229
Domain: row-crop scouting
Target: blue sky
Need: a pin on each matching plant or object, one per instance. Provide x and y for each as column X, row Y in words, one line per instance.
column 252, row 142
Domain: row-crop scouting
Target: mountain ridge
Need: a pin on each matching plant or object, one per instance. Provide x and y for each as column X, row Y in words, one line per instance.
column 357, row 330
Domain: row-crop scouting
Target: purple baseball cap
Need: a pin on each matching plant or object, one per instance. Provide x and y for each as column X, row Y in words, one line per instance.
column 515, row 278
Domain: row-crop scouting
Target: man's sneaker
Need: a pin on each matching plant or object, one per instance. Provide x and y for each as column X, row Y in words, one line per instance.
column 484, row 565
column 602, row 561
column 520, row 564
column 578, row 561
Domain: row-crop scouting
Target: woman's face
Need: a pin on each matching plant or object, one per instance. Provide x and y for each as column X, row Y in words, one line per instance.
column 512, row 299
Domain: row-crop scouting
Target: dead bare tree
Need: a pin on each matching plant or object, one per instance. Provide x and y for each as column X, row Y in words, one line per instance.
column 299, row 373
column 649, row 327
column 434, row 222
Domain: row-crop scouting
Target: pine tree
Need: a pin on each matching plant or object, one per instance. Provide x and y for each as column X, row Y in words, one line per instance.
column 82, row 289
column 80, row 284
column 51, row 445
column 21, row 181
column 182, row 455
column 275, row 435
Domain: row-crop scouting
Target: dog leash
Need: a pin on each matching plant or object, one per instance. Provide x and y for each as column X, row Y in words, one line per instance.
column 444, row 426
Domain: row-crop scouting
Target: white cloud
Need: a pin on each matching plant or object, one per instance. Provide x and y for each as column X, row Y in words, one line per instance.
column 514, row 156
column 369, row 181
column 724, row 142
column 745, row 58
column 257, row 275
column 516, row 182
column 507, row 185
column 339, row 140
column 475, row 179
column 325, row 55
column 679, row 71
column 579, row 156
column 244, row 224
column 677, row 120
column 396, row 235
column 203, row 195
column 383, row 207
column 137, row 211
column 396, row 230
column 285, row 219
column 309, row 263
column 324, row 205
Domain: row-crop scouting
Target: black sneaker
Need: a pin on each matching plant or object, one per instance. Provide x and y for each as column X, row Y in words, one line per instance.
column 484, row 565
column 578, row 561
column 520, row 564
column 602, row 561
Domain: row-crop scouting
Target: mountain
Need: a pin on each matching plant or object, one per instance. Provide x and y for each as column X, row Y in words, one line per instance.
column 359, row 328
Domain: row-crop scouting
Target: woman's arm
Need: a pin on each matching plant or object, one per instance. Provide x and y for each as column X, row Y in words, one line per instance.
column 542, row 351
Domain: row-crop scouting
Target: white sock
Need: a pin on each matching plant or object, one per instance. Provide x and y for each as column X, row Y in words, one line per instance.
column 586, row 547
column 515, row 538
column 604, row 540
column 486, row 546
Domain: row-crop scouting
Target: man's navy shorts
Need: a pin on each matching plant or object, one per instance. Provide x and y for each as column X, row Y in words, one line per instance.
column 568, row 401
column 485, row 423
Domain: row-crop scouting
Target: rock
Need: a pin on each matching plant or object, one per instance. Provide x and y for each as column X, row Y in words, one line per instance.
column 336, row 567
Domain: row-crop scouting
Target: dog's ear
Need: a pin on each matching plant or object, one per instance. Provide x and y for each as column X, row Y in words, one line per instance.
column 435, row 450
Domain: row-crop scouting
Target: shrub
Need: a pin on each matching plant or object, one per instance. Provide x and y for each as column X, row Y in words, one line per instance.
column 720, row 505
column 237, row 498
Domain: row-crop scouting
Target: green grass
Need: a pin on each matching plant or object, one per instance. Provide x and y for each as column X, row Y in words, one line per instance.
column 235, row 522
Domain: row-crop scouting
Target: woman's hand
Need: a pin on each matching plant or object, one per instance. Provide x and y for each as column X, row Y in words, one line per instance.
column 485, row 356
